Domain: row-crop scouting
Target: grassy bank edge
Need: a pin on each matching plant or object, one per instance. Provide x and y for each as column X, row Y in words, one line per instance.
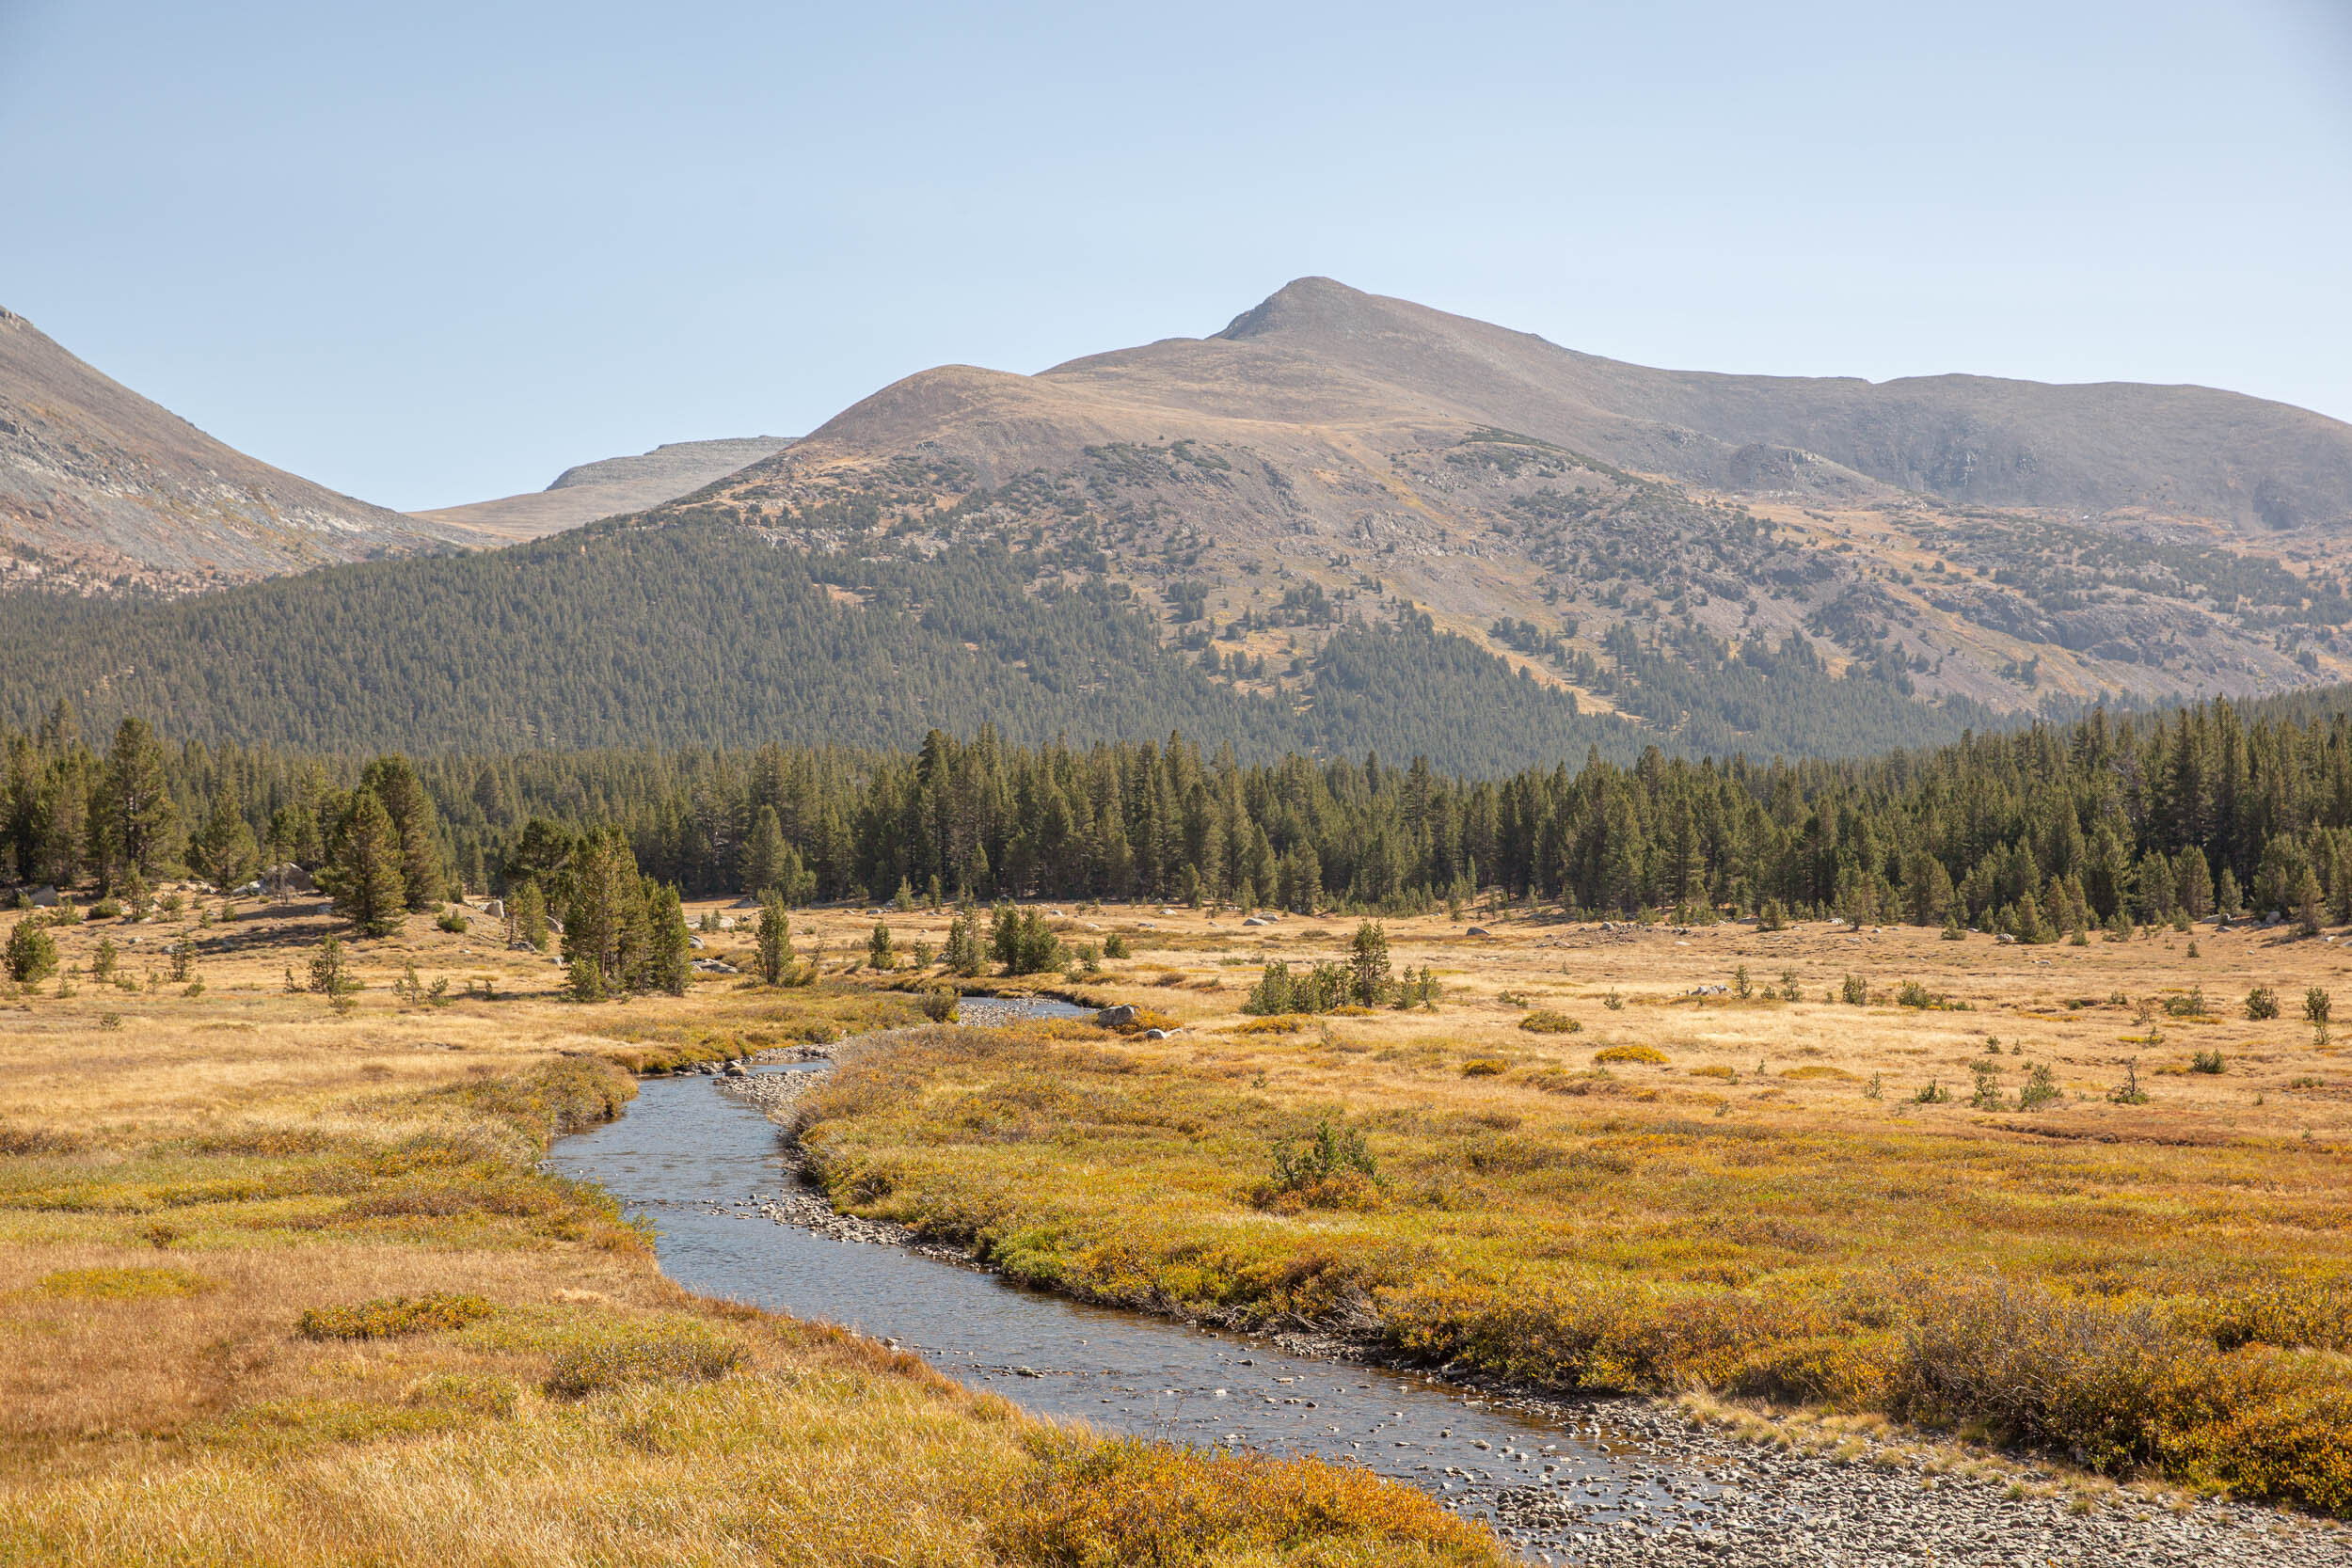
column 2104, row 1391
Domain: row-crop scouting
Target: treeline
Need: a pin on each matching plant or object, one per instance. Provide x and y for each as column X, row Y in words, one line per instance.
column 701, row 632
column 2109, row 820
column 698, row 633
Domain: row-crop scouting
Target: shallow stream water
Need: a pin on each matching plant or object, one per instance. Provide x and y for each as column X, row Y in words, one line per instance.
column 694, row 1160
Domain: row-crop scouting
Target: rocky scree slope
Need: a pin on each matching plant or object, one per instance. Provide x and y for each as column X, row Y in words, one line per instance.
column 101, row 490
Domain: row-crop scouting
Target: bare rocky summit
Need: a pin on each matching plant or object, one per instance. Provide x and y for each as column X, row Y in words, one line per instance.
column 101, row 490
column 608, row 488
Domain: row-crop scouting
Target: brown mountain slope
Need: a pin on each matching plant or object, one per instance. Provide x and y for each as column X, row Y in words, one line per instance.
column 2181, row 450
column 1321, row 355
column 1334, row 452
column 587, row 491
column 101, row 489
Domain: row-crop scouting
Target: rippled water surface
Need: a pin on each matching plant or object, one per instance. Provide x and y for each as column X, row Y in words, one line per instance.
column 690, row 1157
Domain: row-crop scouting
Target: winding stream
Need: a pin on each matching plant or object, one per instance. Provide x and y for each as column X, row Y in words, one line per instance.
column 693, row 1160
column 1646, row 1490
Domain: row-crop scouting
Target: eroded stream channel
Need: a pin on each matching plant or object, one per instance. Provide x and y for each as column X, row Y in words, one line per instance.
column 1573, row 1484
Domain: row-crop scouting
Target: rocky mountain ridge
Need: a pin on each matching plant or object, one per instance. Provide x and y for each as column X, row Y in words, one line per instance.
column 609, row 488
column 103, row 491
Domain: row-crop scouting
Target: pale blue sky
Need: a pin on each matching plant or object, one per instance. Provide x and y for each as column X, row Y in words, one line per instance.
column 432, row 253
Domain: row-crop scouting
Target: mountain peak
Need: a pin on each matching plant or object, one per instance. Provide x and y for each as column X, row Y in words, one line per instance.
column 1301, row 303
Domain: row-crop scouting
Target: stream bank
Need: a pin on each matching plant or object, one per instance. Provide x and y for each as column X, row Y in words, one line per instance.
column 1598, row 1481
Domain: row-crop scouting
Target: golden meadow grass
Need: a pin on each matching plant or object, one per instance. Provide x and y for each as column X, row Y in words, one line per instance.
column 1814, row 1202
column 279, row 1286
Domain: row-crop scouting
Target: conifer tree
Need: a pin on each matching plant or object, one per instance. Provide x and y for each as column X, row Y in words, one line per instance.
column 32, row 953
column 364, row 871
column 330, row 977
column 137, row 812
column 775, row 939
column 2310, row 914
column 293, row 836
column 527, row 916
column 2027, row 923
column 606, row 923
column 60, row 829
column 669, row 962
column 764, row 854
column 223, row 849
column 584, row 979
column 393, row 778
column 1367, row 966
column 2194, row 883
column 964, row 954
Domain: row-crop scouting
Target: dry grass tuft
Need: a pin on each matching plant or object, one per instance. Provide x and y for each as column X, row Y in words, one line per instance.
column 678, row 1351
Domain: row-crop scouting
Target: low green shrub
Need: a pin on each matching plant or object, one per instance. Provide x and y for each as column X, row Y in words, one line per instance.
column 32, row 953
column 1333, row 1169
column 2041, row 1088
column 120, row 1284
column 1152, row 1505
column 388, row 1316
column 1321, row 989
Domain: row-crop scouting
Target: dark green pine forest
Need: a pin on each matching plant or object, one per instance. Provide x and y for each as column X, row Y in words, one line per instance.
column 2051, row 831
column 704, row 633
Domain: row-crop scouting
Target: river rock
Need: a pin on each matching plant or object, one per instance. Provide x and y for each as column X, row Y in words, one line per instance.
column 1113, row 1018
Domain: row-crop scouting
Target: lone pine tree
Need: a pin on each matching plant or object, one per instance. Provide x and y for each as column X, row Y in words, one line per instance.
column 393, row 780
column 364, row 871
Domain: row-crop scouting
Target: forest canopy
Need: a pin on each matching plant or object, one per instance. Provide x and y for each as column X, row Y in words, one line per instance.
column 2055, row 830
